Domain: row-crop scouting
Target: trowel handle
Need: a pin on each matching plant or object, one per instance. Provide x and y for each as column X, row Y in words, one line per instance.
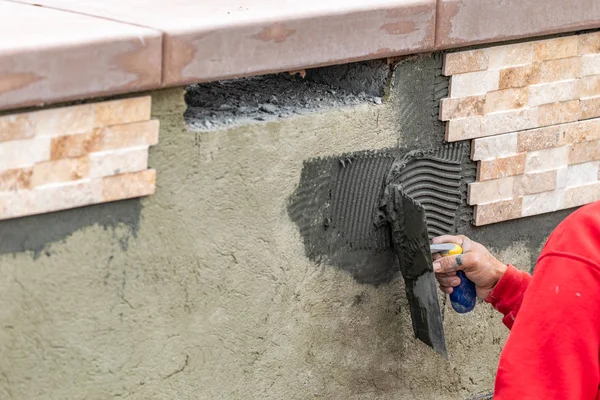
column 463, row 296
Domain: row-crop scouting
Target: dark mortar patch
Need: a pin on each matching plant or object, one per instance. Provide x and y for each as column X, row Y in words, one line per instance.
column 37, row 233
column 264, row 98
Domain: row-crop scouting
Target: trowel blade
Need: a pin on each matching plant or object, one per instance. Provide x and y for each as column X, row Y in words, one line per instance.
column 411, row 243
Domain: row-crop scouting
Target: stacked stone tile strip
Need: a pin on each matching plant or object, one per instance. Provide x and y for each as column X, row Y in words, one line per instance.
column 532, row 111
column 74, row 156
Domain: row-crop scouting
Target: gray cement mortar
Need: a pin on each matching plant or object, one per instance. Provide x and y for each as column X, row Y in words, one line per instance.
column 213, row 296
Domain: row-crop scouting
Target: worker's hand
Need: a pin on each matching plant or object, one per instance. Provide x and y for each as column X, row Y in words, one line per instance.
column 480, row 266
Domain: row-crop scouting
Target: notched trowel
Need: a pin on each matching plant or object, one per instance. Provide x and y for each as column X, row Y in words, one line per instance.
column 407, row 222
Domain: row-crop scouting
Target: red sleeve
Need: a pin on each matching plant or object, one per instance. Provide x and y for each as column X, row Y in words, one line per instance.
column 552, row 351
column 507, row 296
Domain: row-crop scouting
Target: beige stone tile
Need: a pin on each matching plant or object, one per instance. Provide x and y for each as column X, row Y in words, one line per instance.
column 49, row 56
column 462, row 22
column 553, row 92
column 491, row 191
column 511, row 55
column 23, row 153
column 541, row 203
column 127, row 186
column 15, row 179
column 590, row 65
column 562, row 47
column 589, row 108
column 577, row 175
column 589, row 43
column 560, row 70
column 501, row 167
column 124, row 136
column 497, row 212
column 465, row 61
column 589, row 86
column 64, row 121
column 511, row 121
column 124, row 111
column 114, row 162
column 16, row 127
column 538, row 139
column 558, row 113
column 507, row 99
column 519, row 76
column 491, row 147
column 584, row 152
column 535, row 182
column 547, row 159
column 50, row 198
column 474, row 83
column 72, row 146
column 68, row 169
column 581, row 131
column 581, row 195
column 465, row 128
column 462, row 107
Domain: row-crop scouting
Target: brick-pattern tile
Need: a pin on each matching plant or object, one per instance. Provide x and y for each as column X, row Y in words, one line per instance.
column 67, row 157
column 532, row 111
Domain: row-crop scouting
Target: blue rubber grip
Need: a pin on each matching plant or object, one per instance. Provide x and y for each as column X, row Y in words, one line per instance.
column 463, row 296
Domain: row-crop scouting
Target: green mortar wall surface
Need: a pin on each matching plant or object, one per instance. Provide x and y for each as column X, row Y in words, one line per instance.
column 204, row 291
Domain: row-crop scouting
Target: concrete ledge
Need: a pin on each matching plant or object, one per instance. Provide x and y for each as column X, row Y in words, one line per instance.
column 81, row 49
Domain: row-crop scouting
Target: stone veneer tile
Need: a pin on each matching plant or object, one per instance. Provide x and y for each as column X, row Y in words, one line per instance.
column 506, row 99
column 511, row 121
column 491, row 191
column 519, row 76
column 125, row 186
column 124, row 111
column 589, row 43
column 494, row 147
column 577, row 175
column 465, row 128
column 584, row 152
column 50, row 198
column 510, row 55
column 68, row 169
column 547, row 159
column 501, row 167
column 496, row 212
column 558, row 113
column 582, row 131
column 123, row 136
column 590, row 64
column 114, row 162
column 538, row 139
column 474, row 83
column 23, row 153
column 536, row 182
column 15, row 127
column 589, row 108
column 465, row 61
column 545, row 93
column 541, row 203
column 562, row 47
column 16, row 179
column 581, row 195
column 70, row 146
column 63, row 120
column 558, row 70
column 451, row 108
column 589, row 86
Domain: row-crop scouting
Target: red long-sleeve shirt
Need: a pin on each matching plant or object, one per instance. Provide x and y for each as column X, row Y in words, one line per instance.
column 552, row 351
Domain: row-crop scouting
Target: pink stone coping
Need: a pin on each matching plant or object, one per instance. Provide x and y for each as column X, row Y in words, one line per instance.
column 58, row 50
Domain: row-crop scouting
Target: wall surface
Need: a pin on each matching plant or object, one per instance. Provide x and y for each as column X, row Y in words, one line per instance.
column 204, row 290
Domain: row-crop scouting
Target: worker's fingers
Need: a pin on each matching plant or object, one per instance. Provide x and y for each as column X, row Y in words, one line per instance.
column 447, row 239
column 448, row 281
column 447, row 290
column 466, row 243
column 436, row 256
column 452, row 263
